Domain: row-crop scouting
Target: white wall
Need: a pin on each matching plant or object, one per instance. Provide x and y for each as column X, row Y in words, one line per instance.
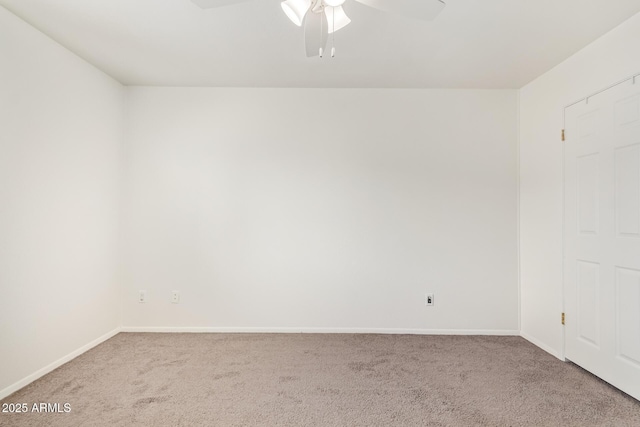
column 303, row 209
column 609, row 59
column 60, row 133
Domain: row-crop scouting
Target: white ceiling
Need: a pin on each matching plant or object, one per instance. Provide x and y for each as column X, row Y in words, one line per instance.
column 472, row 44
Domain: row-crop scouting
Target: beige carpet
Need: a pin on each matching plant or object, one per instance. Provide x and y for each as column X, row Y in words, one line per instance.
column 321, row 380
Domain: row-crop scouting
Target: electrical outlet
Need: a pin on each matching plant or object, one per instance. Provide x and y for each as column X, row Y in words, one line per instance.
column 142, row 296
column 428, row 299
column 175, row 297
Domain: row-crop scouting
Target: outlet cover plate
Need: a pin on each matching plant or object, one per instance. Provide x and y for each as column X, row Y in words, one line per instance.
column 428, row 300
column 175, row 297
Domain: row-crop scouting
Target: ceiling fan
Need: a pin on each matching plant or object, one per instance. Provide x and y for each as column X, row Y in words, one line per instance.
column 323, row 17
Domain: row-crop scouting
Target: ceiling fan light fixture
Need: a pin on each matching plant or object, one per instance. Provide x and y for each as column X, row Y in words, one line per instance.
column 334, row 3
column 341, row 18
column 296, row 10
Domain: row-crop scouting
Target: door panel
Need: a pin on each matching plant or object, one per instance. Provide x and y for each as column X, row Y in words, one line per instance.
column 628, row 191
column 588, row 197
column 628, row 289
column 588, row 284
column 602, row 236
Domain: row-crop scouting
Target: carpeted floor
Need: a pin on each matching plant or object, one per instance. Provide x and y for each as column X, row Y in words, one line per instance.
column 321, row 380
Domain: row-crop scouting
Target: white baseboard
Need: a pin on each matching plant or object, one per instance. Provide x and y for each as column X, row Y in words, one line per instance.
column 172, row 329
column 542, row 345
column 44, row 371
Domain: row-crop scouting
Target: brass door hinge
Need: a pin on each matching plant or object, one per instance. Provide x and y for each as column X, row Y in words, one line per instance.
column 563, row 134
column 563, row 318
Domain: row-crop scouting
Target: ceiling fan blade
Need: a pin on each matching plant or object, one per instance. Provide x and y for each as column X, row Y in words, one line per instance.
column 336, row 18
column 418, row 9
column 208, row 4
column 296, row 10
column 315, row 33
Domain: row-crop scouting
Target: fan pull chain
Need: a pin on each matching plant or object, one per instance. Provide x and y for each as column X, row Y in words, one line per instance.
column 333, row 33
column 321, row 20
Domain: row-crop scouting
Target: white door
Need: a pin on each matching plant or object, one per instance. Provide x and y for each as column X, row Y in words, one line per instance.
column 602, row 236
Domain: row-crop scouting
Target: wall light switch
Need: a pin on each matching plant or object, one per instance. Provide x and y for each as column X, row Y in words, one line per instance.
column 142, row 296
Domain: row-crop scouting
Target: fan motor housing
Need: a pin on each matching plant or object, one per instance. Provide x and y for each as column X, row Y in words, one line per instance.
column 317, row 6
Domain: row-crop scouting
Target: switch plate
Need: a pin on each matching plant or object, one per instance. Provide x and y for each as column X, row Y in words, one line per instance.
column 142, row 297
column 175, row 297
column 428, row 299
